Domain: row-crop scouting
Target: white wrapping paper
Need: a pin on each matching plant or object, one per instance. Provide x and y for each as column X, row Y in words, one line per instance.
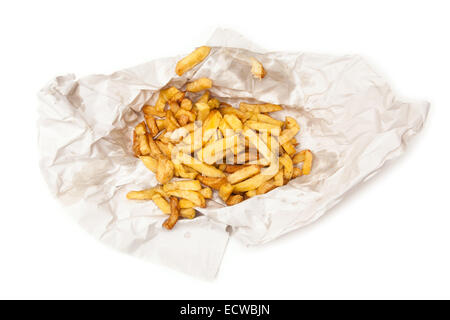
column 347, row 113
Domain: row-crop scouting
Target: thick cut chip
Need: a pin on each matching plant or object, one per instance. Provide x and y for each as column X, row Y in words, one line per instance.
column 162, row 203
column 225, row 191
column 174, row 214
column 150, row 110
column 190, row 61
column 187, row 213
column 193, row 196
column 204, row 169
column 150, row 163
column 253, row 182
column 193, row 185
column 259, row 108
column 288, row 167
column 206, row 193
column 307, row 163
column 199, row 85
column 214, row 183
column 186, row 104
column 234, row 199
column 164, row 170
column 266, row 187
column 243, row 174
column 257, row 70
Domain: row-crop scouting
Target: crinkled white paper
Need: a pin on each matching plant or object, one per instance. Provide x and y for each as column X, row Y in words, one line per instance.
column 348, row 116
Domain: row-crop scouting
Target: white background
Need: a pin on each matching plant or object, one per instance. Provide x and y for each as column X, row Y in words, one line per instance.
column 390, row 238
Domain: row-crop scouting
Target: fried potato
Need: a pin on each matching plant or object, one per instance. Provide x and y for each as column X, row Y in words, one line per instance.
column 299, row 157
column 268, row 119
column 144, row 146
column 151, row 111
column 289, row 148
column 191, row 60
column 230, row 110
column 174, row 106
column 164, row 148
column 297, row 173
column 251, row 193
column 154, row 150
column 291, row 123
column 186, row 104
column 144, row 194
column 165, row 96
column 184, row 172
column 307, row 163
column 187, row 213
column 279, row 178
column 203, row 111
column 233, row 121
column 231, row 168
column 161, row 123
column 184, row 204
column 210, row 125
column 170, row 117
column 212, row 182
column 253, row 182
column 225, row 128
column 204, row 169
column 259, row 108
column 204, row 98
column 151, row 124
column 150, row 163
column 262, row 126
column 206, row 193
column 174, row 214
column 244, row 173
column 162, row 203
column 213, row 103
column 136, row 148
column 225, row 191
column 215, row 151
column 199, row 85
column 234, row 199
column 183, row 112
column 164, row 170
column 258, row 143
column 287, row 134
column 193, row 185
column 193, row 196
column 266, row 187
column 257, row 70
column 288, row 167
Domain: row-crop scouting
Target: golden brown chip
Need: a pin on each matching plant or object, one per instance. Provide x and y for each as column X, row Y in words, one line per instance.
column 225, row 191
column 212, row 182
column 186, row 104
column 199, row 85
column 150, row 110
column 206, row 193
column 190, row 61
column 187, row 213
column 257, row 70
column 164, row 170
column 297, row 173
column 174, row 214
column 307, row 163
column 162, row 204
column 234, row 199
column 266, row 187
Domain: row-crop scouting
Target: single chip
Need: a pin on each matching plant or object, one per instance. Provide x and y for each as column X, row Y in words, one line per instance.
column 193, row 196
column 184, row 203
column 244, row 173
column 214, row 183
column 150, row 163
column 174, row 214
column 162, row 203
column 253, row 182
column 151, row 124
column 206, row 192
column 233, row 121
column 225, row 191
column 288, row 168
column 297, row 173
column 202, row 111
column 266, row 187
column 190, row 61
column 187, row 213
column 186, row 104
column 151, row 110
column 257, row 70
column 234, row 199
column 250, row 194
column 204, row 169
column 164, row 170
column 199, row 85
column 307, row 163
column 183, row 185
column 259, row 108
